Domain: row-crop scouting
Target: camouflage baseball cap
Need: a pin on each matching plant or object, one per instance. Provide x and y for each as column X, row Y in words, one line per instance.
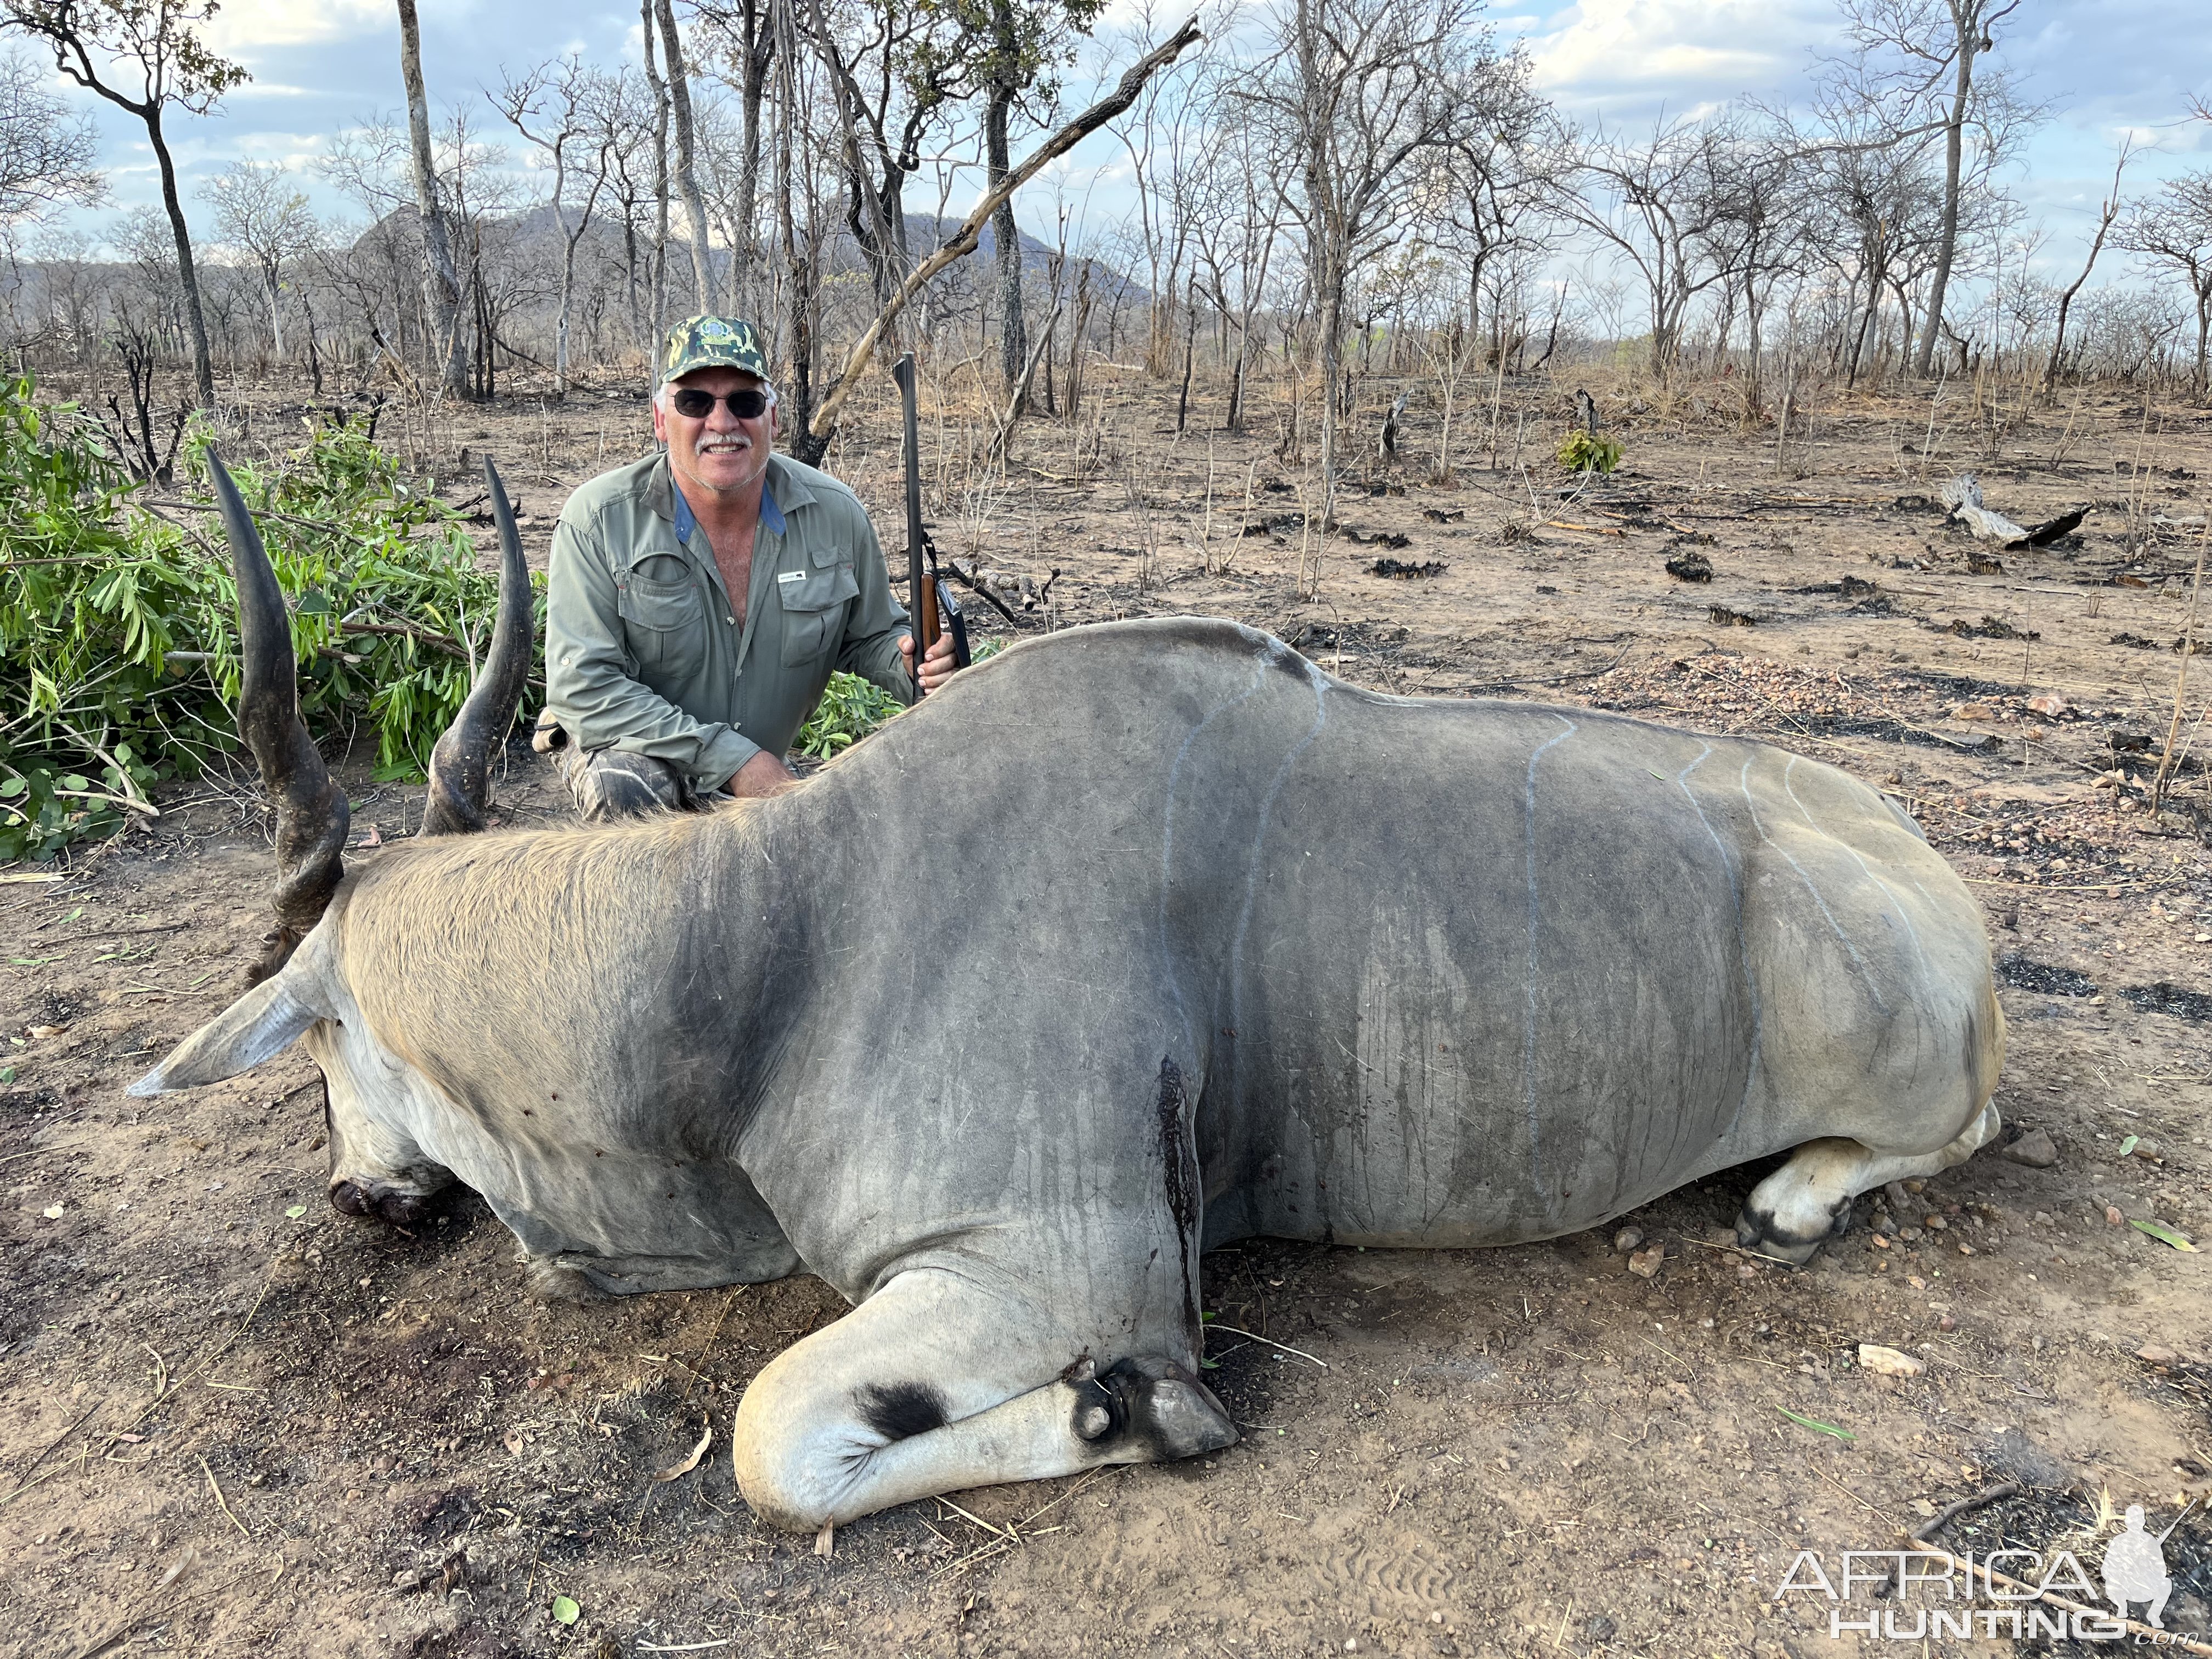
column 712, row 342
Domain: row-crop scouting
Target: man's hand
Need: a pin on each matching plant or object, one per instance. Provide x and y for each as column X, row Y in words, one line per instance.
column 936, row 667
column 763, row 774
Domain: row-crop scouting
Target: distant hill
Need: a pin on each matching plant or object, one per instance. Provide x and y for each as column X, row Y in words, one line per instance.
column 926, row 232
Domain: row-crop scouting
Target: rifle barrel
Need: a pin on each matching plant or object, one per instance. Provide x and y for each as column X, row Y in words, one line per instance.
column 921, row 600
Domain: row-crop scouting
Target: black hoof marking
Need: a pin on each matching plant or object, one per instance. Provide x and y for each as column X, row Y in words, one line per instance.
column 1760, row 1232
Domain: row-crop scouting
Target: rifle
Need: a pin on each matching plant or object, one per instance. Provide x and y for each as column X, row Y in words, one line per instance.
column 931, row 607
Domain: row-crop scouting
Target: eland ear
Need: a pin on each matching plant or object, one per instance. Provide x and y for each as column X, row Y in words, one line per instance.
column 263, row 1022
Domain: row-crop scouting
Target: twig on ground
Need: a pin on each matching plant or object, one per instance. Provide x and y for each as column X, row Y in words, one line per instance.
column 117, row 932
column 1285, row 1346
column 1928, row 1530
column 219, row 1501
column 706, row 1347
column 36, row 1150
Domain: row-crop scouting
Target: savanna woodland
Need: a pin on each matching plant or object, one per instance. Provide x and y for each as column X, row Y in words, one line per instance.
column 1794, row 415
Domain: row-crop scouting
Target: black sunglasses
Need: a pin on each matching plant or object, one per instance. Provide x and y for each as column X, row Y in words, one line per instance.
column 693, row 405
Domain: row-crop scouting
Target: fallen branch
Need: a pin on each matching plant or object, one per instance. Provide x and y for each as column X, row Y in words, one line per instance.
column 1963, row 496
column 960, row 569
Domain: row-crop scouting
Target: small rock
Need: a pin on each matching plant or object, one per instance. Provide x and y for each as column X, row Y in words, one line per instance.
column 1936, row 1224
column 2034, row 1149
column 2151, row 1354
column 1897, row 1195
column 1947, row 1323
column 2114, row 1215
column 1626, row 1240
column 1645, row 1264
column 1888, row 1362
column 2050, row 704
column 1910, row 1236
column 1973, row 711
column 2147, row 1150
column 2042, row 1217
column 1966, row 1249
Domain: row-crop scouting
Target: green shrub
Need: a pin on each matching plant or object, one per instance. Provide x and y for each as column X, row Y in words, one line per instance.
column 1587, row 452
column 118, row 652
column 851, row 707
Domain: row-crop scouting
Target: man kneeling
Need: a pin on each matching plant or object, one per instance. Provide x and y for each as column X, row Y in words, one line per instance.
column 697, row 602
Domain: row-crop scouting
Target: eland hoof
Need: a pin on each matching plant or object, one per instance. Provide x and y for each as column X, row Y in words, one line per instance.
column 389, row 1205
column 1758, row 1230
column 1154, row 1404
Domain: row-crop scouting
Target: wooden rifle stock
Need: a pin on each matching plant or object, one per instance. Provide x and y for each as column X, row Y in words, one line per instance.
column 929, row 607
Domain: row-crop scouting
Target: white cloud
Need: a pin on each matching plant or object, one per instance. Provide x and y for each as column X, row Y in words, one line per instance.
column 243, row 28
column 1685, row 53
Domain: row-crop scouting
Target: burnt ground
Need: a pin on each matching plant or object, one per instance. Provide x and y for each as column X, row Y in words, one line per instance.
column 232, row 1421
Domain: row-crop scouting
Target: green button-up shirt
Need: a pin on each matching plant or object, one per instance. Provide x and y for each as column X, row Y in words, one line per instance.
column 643, row 651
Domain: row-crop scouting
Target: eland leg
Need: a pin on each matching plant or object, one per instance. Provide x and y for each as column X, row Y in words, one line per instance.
column 1808, row 1200
column 934, row 1384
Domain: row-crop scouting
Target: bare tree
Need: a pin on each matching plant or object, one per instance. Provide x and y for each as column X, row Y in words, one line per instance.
column 2107, row 212
column 1653, row 202
column 48, row 158
column 1758, row 229
column 658, row 85
column 1023, row 42
column 1364, row 96
column 1237, row 216
column 560, row 108
column 1505, row 172
column 822, row 421
column 1916, row 60
column 152, row 43
column 441, row 283
column 2174, row 230
column 747, row 47
column 259, row 212
column 687, row 160
column 1166, row 138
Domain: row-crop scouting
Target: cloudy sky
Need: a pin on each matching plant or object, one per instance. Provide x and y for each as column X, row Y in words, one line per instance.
column 2104, row 66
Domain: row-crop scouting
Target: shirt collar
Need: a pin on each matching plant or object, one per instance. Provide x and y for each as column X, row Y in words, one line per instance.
column 771, row 515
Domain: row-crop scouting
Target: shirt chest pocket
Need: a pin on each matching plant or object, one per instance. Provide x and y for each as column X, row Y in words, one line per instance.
column 664, row 623
column 815, row 602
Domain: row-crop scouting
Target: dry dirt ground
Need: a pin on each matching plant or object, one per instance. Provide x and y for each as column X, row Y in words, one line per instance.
column 234, row 1421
